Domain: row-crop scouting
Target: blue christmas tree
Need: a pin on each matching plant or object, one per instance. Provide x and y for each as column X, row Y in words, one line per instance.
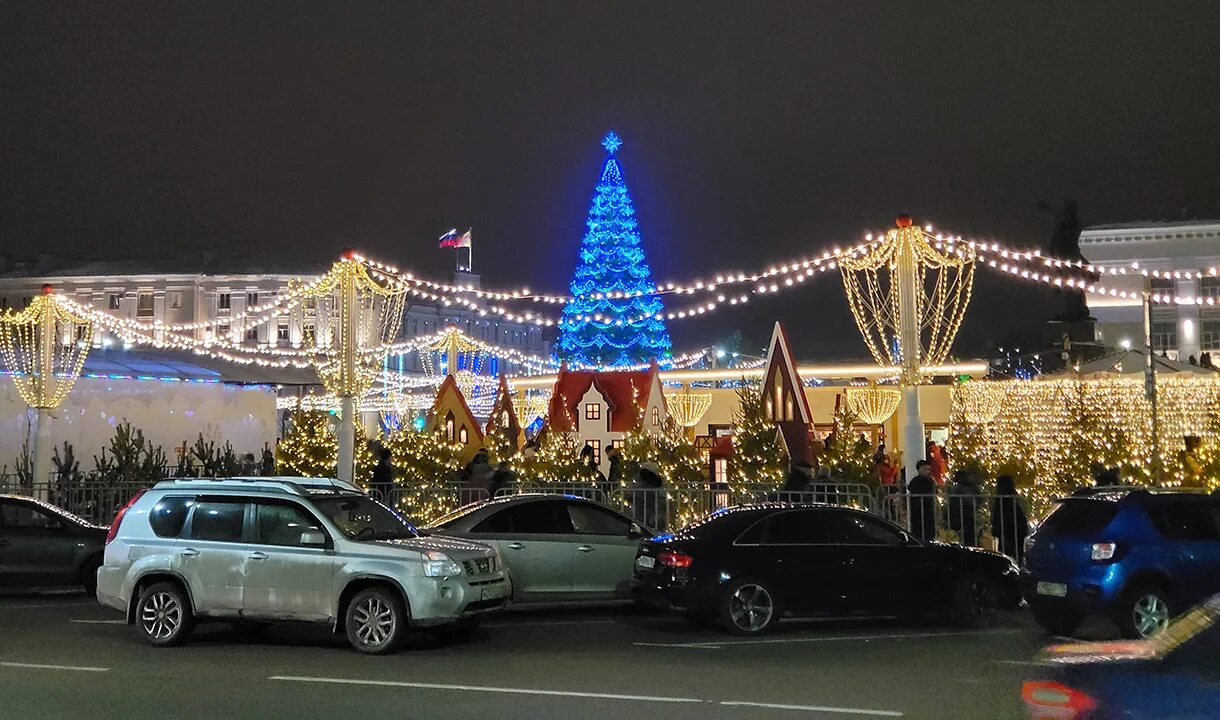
column 614, row 318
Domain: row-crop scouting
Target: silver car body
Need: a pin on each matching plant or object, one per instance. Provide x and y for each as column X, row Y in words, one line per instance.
column 571, row 562
column 258, row 581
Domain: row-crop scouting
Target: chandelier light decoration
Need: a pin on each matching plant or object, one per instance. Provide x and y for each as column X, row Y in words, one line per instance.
column 941, row 283
column 44, row 348
column 980, row 404
column 686, row 407
column 874, row 404
column 531, row 407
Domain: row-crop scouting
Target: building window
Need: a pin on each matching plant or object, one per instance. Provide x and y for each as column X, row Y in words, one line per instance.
column 281, row 331
column 1164, row 335
column 504, row 418
column 251, row 299
column 224, row 301
column 1209, row 334
column 596, row 445
column 311, row 303
column 144, row 305
column 1209, row 286
column 114, row 301
column 463, row 435
column 224, row 330
column 175, row 299
column 309, row 334
column 1162, row 285
column 593, row 411
column 720, row 471
column 450, row 431
column 779, row 400
column 616, row 444
column 252, row 333
column 656, row 416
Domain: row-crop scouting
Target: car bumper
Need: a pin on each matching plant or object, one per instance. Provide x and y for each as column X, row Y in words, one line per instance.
column 1085, row 598
column 110, row 587
column 441, row 601
column 671, row 596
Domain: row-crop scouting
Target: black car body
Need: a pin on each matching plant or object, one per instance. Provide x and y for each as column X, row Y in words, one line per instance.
column 44, row 546
column 1173, row 674
column 759, row 563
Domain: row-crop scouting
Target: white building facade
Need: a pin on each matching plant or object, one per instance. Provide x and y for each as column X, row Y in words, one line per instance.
column 1181, row 329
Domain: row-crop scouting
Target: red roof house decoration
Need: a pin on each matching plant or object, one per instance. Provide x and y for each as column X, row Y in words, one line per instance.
column 599, row 407
column 784, row 399
column 504, row 415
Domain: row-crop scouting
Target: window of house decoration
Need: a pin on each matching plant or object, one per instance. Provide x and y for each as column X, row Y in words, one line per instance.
column 597, row 450
column 450, row 428
column 720, row 470
column 656, row 416
column 779, row 400
column 788, row 407
column 504, row 418
column 593, row 411
column 463, row 435
column 144, row 305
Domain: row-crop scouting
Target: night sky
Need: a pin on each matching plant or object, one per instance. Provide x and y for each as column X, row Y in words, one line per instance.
column 753, row 131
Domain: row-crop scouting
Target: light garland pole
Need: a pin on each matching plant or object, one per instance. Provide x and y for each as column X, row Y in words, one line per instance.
column 348, row 388
column 910, row 426
column 1150, row 385
column 44, row 347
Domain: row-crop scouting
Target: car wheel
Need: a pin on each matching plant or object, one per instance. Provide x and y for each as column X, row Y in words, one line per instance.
column 88, row 576
column 1057, row 621
column 975, row 601
column 376, row 621
column 749, row 608
column 1145, row 611
column 163, row 615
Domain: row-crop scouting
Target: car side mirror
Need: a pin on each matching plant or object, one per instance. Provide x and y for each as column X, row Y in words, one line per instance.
column 313, row 538
column 908, row 539
column 636, row 531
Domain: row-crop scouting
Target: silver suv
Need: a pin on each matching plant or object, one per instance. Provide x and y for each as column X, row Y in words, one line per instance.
column 268, row 550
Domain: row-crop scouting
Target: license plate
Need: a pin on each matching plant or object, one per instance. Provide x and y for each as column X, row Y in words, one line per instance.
column 646, row 562
column 1052, row 589
column 490, row 593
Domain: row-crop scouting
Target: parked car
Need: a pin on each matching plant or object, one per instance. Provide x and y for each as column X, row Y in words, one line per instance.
column 45, row 546
column 1173, row 674
column 269, row 550
column 1137, row 557
column 558, row 547
column 750, row 566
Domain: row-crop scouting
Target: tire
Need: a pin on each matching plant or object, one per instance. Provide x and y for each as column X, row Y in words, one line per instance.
column 749, row 607
column 163, row 615
column 1144, row 611
column 88, row 576
column 975, row 601
column 376, row 621
column 1057, row 621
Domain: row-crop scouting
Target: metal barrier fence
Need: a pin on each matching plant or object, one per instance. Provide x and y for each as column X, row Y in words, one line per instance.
column 993, row 522
column 426, row 505
column 860, row 497
column 95, row 502
column 588, row 492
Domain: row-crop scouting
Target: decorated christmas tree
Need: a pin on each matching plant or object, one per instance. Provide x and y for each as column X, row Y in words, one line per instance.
column 849, row 459
column 613, row 318
column 310, row 448
column 758, row 457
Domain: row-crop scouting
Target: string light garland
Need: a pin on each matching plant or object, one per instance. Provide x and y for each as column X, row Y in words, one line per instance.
column 874, row 404
column 44, row 348
column 688, row 408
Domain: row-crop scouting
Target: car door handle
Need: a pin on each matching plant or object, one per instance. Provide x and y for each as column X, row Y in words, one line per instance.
column 515, row 546
column 256, row 555
column 189, row 552
column 585, row 548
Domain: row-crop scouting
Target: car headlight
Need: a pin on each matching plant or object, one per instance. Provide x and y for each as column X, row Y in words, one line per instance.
column 438, row 564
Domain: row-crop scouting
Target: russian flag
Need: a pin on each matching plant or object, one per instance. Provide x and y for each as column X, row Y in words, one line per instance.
column 452, row 240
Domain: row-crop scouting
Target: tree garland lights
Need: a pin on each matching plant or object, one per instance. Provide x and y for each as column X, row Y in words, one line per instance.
column 758, row 457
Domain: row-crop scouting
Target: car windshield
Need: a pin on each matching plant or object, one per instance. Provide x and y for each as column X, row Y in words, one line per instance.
column 1079, row 518
column 362, row 518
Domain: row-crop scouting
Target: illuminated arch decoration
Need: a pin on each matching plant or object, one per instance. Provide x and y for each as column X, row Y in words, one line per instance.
column 874, row 404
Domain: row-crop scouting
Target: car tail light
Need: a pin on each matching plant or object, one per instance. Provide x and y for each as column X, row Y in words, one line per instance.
column 1054, row 701
column 118, row 517
column 674, row 559
column 1104, row 551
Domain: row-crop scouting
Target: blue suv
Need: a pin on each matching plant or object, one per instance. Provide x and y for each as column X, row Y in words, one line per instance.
column 1137, row 557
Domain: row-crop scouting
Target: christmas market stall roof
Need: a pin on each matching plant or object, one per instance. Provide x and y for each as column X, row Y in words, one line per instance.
column 1132, row 362
column 620, row 388
column 173, row 366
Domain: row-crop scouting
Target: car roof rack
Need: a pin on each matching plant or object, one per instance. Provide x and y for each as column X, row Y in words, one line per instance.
column 215, row 484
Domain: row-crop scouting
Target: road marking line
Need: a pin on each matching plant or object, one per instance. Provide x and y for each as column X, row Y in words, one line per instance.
column 100, row 622
column 716, row 645
column 481, row 688
column 37, row 666
column 815, row 708
column 47, row 606
column 503, row 624
column 1015, row 662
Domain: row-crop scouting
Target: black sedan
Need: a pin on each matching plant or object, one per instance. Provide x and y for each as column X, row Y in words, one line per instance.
column 750, row 566
column 42, row 546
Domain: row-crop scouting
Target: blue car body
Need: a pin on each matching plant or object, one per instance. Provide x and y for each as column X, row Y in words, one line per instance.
column 1095, row 552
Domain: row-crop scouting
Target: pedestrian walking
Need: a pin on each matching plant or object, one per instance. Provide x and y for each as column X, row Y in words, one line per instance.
column 382, row 483
column 645, row 496
column 921, row 494
column 1009, row 524
column 800, row 473
column 501, row 479
column 614, row 478
column 963, row 507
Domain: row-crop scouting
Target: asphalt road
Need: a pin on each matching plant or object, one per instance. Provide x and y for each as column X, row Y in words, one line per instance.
column 66, row 657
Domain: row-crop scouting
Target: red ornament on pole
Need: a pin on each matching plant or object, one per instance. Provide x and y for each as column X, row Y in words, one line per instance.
column 47, row 289
column 348, row 254
column 903, row 221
